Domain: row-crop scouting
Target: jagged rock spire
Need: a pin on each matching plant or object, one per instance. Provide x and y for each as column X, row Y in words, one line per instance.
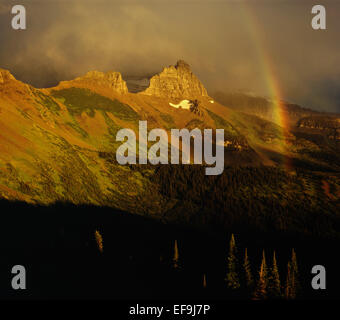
column 181, row 64
column 176, row 82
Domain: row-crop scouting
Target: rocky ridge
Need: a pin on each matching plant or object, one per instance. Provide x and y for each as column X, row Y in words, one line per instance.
column 111, row 79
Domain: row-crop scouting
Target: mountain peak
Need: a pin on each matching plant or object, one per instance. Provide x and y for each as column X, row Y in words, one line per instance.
column 181, row 64
column 176, row 82
column 94, row 78
column 112, row 79
column 5, row 75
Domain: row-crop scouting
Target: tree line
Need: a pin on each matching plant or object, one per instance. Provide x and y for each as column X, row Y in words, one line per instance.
column 264, row 198
column 265, row 283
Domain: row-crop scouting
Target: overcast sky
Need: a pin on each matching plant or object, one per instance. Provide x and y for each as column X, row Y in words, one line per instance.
column 66, row 38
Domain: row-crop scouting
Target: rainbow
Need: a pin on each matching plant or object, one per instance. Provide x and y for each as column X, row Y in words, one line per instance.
column 271, row 80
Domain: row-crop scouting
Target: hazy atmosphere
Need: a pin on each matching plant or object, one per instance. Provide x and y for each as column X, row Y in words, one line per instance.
column 226, row 43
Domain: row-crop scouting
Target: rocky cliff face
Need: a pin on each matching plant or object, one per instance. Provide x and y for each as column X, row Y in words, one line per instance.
column 176, row 82
column 111, row 79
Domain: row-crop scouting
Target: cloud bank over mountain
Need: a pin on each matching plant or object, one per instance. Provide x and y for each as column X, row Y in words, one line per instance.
column 65, row 39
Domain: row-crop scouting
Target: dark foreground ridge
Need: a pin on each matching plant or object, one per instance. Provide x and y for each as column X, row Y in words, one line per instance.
column 58, row 247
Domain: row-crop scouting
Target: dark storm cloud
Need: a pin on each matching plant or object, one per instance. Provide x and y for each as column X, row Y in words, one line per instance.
column 65, row 39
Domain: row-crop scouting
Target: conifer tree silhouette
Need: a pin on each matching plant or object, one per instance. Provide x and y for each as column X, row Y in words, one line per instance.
column 274, row 283
column 289, row 292
column 262, row 282
column 232, row 276
column 99, row 240
column 204, row 281
column 295, row 273
column 247, row 271
column 175, row 259
column 292, row 282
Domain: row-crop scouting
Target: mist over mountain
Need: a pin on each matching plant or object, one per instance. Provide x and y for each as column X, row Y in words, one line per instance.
column 225, row 42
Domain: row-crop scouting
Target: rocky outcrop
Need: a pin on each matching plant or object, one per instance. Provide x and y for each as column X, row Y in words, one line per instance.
column 176, row 82
column 5, row 75
column 111, row 79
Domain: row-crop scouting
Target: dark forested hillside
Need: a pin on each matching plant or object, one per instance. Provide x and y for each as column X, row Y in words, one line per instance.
column 73, row 252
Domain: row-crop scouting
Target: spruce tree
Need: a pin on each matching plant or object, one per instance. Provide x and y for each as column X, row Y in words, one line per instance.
column 99, row 240
column 289, row 290
column 262, row 282
column 232, row 276
column 274, row 284
column 247, row 271
column 175, row 259
column 295, row 273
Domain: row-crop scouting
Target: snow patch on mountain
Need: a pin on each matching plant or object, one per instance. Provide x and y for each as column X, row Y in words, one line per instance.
column 184, row 104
